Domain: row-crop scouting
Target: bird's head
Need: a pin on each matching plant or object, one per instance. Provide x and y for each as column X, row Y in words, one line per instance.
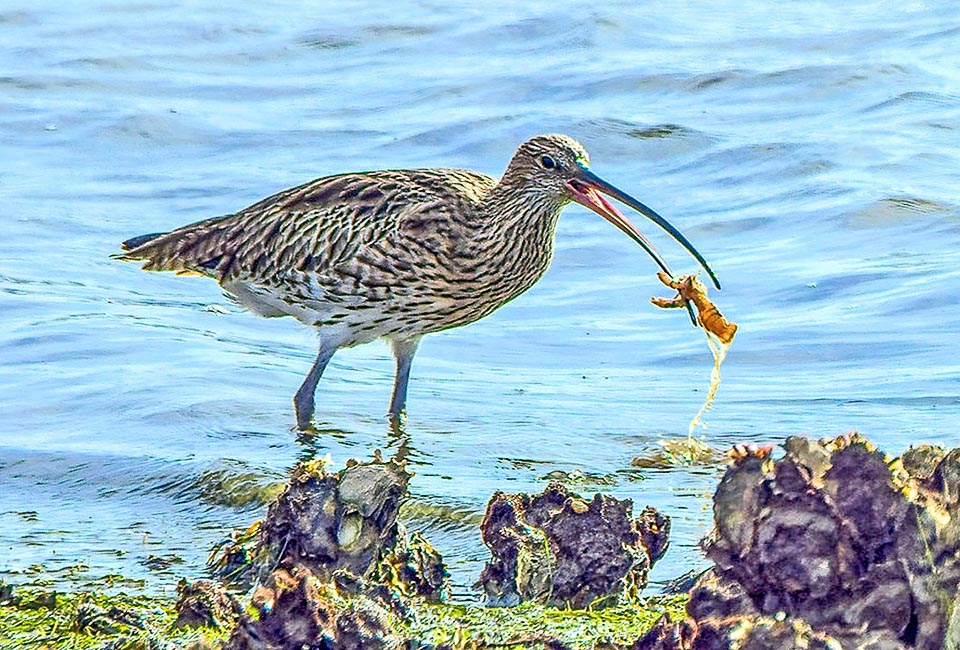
column 559, row 167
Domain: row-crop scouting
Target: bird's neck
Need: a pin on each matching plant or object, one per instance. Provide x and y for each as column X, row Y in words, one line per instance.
column 516, row 213
column 517, row 232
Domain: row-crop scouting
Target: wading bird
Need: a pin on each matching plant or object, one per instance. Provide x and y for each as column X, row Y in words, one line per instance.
column 396, row 254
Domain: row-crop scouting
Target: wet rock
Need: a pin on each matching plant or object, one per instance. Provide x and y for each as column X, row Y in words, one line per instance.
column 38, row 600
column 7, row 592
column 654, row 529
column 741, row 632
column 327, row 521
column 334, row 564
column 297, row 610
column 204, row 603
column 347, row 521
column 832, row 546
column 920, row 462
column 711, row 597
column 682, row 583
column 92, row 619
column 364, row 625
column 292, row 614
column 414, row 568
column 559, row 549
column 667, row 635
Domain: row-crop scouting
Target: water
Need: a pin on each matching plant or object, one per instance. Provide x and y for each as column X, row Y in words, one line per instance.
column 809, row 150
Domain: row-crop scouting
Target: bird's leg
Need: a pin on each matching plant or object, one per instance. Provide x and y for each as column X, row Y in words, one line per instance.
column 403, row 351
column 303, row 401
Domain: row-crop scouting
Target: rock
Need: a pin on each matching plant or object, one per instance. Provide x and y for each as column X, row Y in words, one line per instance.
column 334, row 564
column 347, row 521
column 297, row 610
column 204, row 603
column 711, row 597
column 92, row 619
column 740, row 632
column 558, row 549
column 231, row 560
column 328, row 521
column 414, row 568
column 666, row 635
column 920, row 462
column 832, row 546
column 364, row 625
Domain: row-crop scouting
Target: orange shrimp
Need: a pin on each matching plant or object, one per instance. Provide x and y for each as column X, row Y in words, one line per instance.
column 691, row 290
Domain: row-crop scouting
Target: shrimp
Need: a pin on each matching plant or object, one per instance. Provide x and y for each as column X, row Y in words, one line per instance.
column 691, row 290
column 719, row 330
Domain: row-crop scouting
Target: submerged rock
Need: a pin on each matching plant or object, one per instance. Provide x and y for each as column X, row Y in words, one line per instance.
column 834, row 544
column 559, row 549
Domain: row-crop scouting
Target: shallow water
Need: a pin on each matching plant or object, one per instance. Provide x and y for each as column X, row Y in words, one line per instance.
column 809, row 150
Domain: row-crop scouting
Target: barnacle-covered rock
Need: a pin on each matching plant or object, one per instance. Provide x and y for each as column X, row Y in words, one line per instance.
column 559, row 549
column 327, row 521
column 330, row 522
column 334, row 564
column 414, row 568
column 834, row 544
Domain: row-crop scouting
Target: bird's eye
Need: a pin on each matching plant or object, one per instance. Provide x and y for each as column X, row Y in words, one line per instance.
column 548, row 162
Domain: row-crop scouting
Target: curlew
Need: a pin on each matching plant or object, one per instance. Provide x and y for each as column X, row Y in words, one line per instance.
column 396, row 254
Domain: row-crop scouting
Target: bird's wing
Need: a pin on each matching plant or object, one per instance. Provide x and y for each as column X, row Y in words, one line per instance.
column 320, row 228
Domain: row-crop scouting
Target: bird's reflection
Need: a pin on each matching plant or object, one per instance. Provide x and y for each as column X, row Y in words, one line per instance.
column 315, row 440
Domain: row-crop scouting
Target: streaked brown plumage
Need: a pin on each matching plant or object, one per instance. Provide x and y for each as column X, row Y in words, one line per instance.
column 394, row 254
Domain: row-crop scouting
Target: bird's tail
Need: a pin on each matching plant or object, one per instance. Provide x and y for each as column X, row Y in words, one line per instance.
column 139, row 240
column 192, row 249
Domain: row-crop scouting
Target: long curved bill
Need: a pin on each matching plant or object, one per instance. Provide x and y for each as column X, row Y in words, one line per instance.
column 586, row 187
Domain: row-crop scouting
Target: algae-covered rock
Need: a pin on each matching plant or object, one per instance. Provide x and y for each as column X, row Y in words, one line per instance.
column 557, row 548
column 231, row 560
column 738, row 632
column 204, row 603
column 335, row 565
column 834, row 544
column 298, row 610
column 414, row 568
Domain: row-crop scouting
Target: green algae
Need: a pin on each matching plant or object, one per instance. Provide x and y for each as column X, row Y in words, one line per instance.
column 540, row 626
column 672, row 453
column 35, row 617
column 236, row 487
